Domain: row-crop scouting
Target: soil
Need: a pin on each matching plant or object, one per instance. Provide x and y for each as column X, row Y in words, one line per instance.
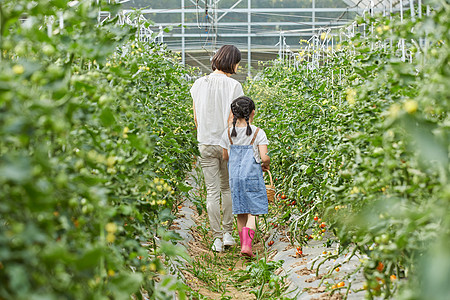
column 214, row 275
column 200, row 251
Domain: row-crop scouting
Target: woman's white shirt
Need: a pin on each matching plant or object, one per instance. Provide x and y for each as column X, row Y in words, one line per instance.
column 212, row 95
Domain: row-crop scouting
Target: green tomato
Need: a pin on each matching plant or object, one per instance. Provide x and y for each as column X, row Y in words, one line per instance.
column 21, row 48
column 6, row 96
column 385, row 238
column 87, row 209
column 6, row 76
column 48, row 50
column 37, row 76
column 104, row 99
column 79, row 164
column 7, row 45
column 73, row 202
column 61, row 179
column 54, row 71
column 94, row 74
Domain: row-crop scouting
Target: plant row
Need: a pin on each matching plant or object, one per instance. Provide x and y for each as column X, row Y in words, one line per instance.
column 361, row 142
column 96, row 140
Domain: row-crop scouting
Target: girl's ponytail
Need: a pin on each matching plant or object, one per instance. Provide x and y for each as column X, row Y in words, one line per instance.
column 249, row 128
column 233, row 132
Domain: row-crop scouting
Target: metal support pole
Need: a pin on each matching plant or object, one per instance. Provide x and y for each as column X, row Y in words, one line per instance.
column 313, row 15
column 183, row 39
column 216, row 25
column 249, row 39
column 332, row 44
column 280, row 44
column 390, row 9
column 402, row 40
column 401, row 10
column 61, row 20
column 161, row 35
column 372, row 7
column 419, row 8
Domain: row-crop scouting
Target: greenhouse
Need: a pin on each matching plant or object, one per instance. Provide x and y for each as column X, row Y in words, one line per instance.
column 224, row 149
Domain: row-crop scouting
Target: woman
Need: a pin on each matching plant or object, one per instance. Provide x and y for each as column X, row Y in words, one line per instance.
column 212, row 96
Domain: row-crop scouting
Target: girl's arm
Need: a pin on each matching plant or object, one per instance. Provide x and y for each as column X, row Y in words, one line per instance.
column 265, row 159
column 225, row 154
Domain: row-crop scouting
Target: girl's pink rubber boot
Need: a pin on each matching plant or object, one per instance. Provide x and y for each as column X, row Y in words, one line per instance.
column 247, row 239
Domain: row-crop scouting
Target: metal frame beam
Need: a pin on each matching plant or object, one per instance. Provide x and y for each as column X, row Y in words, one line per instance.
column 245, row 24
column 253, row 10
column 275, row 33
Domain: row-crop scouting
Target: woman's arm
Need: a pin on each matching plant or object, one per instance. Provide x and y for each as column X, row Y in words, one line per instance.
column 225, row 154
column 265, row 159
column 230, row 119
column 195, row 115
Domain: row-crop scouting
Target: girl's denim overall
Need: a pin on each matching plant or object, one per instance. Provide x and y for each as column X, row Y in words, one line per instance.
column 248, row 191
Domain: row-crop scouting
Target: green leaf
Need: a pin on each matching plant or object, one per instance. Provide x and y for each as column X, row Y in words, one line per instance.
column 16, row 169
column 90, row 259
column 183, row 187
column 125, row 284
column 107, row 117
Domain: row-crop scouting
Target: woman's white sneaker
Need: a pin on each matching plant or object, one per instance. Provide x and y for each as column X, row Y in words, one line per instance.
column 217, row 245
column 228, row 240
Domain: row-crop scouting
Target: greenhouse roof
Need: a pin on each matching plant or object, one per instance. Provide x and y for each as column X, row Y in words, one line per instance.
column 363, row 4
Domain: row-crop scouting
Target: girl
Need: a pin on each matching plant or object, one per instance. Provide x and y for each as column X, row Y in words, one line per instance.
column 247, row 148
column 212, row 96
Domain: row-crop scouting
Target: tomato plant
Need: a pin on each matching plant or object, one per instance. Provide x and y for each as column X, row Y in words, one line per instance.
column 361, row 140
column 96, row 141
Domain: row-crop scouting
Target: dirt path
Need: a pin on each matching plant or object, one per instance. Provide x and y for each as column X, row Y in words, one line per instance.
column 225, row 275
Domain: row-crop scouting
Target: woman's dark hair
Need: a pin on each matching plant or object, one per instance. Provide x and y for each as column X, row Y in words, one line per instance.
column 242, row 108
column 226, row 59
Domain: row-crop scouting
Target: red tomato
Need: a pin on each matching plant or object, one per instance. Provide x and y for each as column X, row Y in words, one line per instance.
column 380, row 266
